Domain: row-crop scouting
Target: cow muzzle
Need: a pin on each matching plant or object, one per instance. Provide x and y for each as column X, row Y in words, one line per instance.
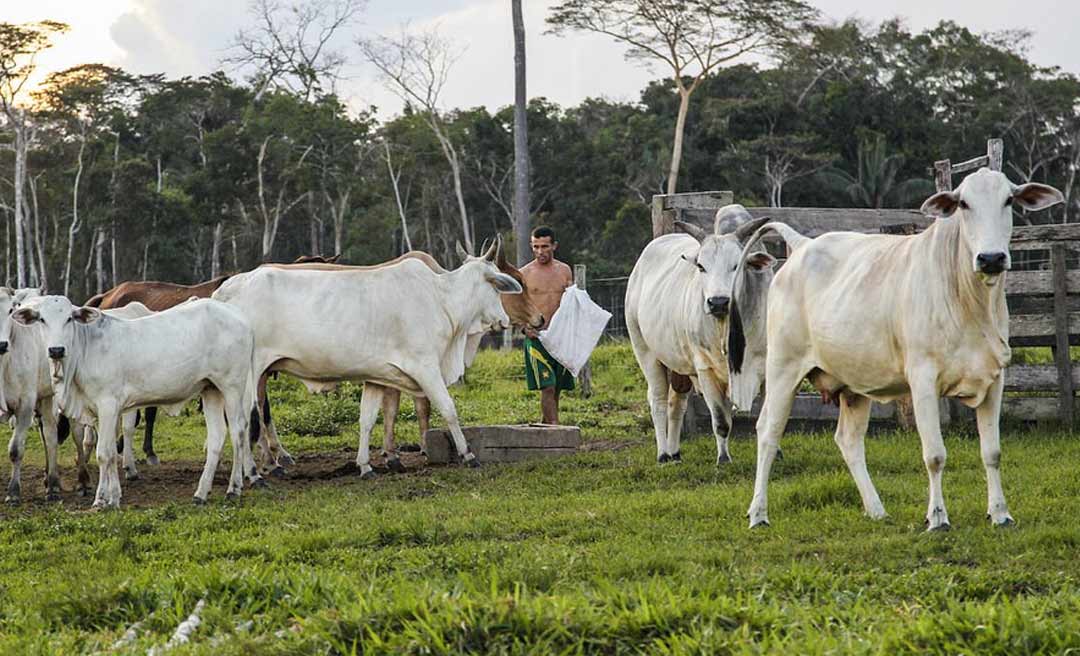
column 56, row 352
column 991, row 263
column 718, row 306
column 3, row 347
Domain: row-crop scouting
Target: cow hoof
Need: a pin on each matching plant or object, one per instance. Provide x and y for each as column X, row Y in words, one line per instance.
column 368, row 475
column 83, row 491
column 722, row 459
column 152, row 459
column 12, row 499
column 131, row 476
column 471, row 462
column 286, row 459
column 663, row 458
column 1006, row 522
column 278, row 472
column 260, row 484
column 53, row 495
column 394, row 465
column 779, row 454
column 763, row 523
column 676, row 457
column 198, row 501
column 232, row 496
column 940, row 528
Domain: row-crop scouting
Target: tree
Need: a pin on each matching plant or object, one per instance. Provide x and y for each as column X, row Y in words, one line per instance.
column 416, row 66
column 289, row 47
column 19, row 47
column 522, row 226
column 691, row 37
column 875, row 181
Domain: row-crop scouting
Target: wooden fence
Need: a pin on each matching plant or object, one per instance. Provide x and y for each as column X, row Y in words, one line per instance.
column 1042, row 290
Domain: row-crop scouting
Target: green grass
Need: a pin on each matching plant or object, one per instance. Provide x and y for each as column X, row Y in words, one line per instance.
column 605, row 552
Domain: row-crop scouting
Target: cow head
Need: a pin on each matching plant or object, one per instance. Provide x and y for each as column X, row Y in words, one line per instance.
column 983, row 203
column 10, row 300
column 492, row 315
column 717, row 259
column 521, row 308
column 59, row 320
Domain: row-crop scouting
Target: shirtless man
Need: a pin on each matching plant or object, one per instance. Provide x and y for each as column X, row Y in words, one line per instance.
column 546, row 278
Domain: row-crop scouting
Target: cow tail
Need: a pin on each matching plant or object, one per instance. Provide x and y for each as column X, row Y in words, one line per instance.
column 255, row 430
column 736, row 338
column 63, row 429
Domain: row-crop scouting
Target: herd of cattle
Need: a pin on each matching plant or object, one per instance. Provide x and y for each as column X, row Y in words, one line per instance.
column 145, row 345
column 862, row 317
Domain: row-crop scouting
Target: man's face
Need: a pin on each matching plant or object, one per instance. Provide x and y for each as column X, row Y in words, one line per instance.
column 543, row 249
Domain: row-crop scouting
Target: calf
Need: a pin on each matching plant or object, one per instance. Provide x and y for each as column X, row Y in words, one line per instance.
column 104, row 366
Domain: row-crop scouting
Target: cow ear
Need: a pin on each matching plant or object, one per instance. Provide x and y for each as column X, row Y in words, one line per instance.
column 690, row 229
column 943, row 203
column 461, row 252
column 503, row 283
column 86, row 314
column 25, row 316
column 1034, row 196
column 760, row 261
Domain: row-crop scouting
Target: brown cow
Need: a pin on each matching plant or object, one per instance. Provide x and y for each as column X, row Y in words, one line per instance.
column 519, row 307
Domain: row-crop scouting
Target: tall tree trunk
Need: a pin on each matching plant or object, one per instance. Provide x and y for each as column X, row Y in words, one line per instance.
column 75, row 226
column 40, row 235
column 90, row 264
column 522, row 223
column 313, row 225
column 21, row 147
column 112, row 205
column 7, row 249
column 215, row 251
column 455, row 168
column 99, row 259
column 394, row 178
column 676, row 148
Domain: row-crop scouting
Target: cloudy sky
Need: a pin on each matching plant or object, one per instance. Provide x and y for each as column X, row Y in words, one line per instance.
column 191, row 38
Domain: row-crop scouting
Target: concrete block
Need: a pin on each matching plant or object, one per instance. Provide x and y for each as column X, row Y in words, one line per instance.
column 505, row 443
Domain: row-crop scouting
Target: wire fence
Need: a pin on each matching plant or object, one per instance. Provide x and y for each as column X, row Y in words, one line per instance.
column 610, row 294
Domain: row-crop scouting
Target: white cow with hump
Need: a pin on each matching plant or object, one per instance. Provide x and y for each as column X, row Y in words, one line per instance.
column 25, row 388
column 402, row 326
column 677, row 302
column 104, row 366
column 876, row 317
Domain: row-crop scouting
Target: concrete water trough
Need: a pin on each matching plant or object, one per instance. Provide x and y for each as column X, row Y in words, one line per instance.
column 505, row 443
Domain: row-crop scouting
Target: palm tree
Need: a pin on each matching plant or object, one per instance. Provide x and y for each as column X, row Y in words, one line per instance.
column 874, row 183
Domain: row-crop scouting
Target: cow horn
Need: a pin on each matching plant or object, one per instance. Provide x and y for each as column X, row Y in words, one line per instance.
column 747, row 230
column 690, row 229
column 489, row 254
column 461, row 252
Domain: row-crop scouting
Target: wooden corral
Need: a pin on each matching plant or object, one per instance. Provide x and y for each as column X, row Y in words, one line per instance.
column 509, row 443
column 1042, row 291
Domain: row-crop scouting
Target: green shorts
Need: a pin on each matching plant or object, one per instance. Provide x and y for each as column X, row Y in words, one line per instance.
column 542, row 370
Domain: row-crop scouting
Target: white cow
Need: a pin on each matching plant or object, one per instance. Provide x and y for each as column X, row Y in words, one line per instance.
column 104, row 366
column 876, row 317
column 402, row 326
column 25, row 389
column 677, row 303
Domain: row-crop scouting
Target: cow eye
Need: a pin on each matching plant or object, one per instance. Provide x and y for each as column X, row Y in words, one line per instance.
column 1008, row 202
column 699, row 267
column 963, row 205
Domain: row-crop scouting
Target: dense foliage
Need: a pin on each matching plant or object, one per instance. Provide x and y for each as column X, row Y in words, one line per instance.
column 182, row 179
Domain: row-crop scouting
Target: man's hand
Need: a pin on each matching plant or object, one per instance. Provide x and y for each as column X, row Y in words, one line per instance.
column 530, row 333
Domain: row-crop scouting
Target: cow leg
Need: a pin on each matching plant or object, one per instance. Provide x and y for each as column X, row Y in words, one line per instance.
column 239, row 426
column 49, row 438
column 987, row 417
column 82, row 457
column 781, row 384
column 131, row 472
column 924, row 398
column 423, row 416
column 850, row 434
column 676, row 411
column 718, row 405
column 24, row 418
column 214, row 413
column 149, row 416
column 435, row 390
column 370, row 400
column 108, row 491
column 656, row 377
column 391, row 402
column 274, row 456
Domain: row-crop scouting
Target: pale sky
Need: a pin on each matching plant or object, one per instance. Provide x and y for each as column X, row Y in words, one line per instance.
column 189, row 37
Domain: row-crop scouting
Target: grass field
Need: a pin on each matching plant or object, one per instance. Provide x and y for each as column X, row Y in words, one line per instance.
column 605, row 552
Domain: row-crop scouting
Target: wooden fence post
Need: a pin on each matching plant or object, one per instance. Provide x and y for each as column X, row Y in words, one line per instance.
column 995, row 154
column 1061, row 332
column 585, row 375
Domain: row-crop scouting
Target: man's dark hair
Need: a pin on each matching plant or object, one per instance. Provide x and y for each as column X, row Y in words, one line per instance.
column 544, row 231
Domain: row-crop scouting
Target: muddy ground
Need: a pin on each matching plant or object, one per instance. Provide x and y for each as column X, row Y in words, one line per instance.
column 173, row 481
